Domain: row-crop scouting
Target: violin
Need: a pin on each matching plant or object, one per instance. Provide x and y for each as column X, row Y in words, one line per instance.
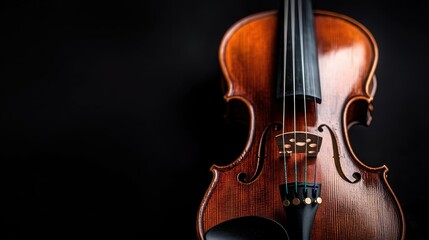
column 300, row 79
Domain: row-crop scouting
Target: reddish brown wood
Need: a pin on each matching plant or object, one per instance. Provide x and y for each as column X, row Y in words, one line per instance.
column 348, row 57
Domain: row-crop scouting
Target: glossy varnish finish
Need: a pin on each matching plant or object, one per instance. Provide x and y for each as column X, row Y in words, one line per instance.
column 366, row 209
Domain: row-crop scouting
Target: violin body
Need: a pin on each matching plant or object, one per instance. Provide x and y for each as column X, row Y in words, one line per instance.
column 354, row 201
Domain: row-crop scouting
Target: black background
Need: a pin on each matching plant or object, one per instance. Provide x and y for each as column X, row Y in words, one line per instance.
column 112, row 112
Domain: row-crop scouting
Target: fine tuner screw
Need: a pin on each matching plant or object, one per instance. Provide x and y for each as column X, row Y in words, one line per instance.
column 296, row 201
column 307, row 201
column 286, row 203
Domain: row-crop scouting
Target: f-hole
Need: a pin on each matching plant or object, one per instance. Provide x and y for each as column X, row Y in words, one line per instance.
column 261, row 155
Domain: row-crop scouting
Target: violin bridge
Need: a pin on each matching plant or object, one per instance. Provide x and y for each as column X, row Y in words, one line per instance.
column 298, row 142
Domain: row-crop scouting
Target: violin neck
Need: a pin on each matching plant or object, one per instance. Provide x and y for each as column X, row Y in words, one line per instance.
column 298, row 69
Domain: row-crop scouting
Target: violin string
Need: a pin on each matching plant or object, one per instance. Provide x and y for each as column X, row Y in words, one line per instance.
column 301, row 37
column 294, row 88
column 317, row 143
column 285, row 34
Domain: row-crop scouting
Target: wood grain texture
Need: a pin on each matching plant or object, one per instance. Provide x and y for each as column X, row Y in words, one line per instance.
column 348, row 57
